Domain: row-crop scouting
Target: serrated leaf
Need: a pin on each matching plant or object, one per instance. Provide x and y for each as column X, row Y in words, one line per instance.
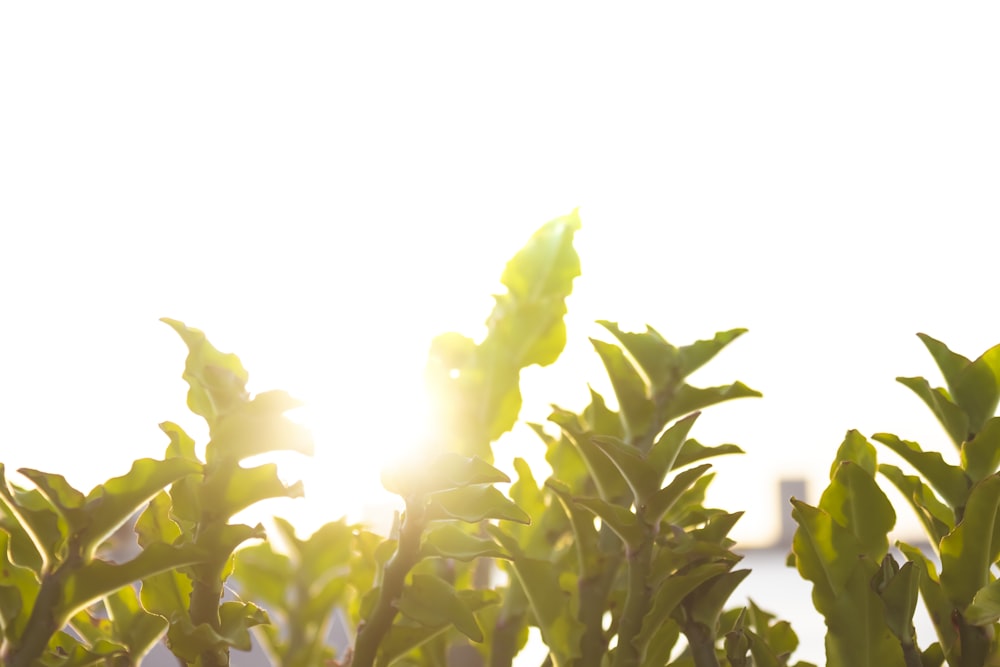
column 217, row 381
column 237, row 488
column 449, row 541
column 855, row 501
column 99, row 578
column 656, row 357
column 56, row 489
column 475, row 503
column 257, row 427
column 981, row 455
column 188, row 641
column 134, row 626
column 634, row 404
column 948, row 480
column 448, row 470
column 938, row 519
column 37, row 519
column 433, row 602
column 154, row 524
column 661, row 501
column 19, row 588
column 112, row 503
column 546, row 266
column 167, row 593
column 181, row 445
column 968, row 551
column 690, row 399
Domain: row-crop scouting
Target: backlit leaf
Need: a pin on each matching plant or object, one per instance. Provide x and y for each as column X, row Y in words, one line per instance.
column 968, row 551
column 690, row 399
column 985, row 607
column 449, row 541
column 217, row 381
column 938, row 519
column 952, row 418
column 552, row 606
column 633, row 401
column 656, row 357
column 475, row 503
column 619, row 519
column 855, row 501
column 432, row 601
column 257, row 427
column 981, row 455
column 697, row 354
column 661, row 501
column 948, row 480
column 112, row 503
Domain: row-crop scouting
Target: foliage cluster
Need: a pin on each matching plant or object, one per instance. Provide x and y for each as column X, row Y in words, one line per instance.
column 615, row 559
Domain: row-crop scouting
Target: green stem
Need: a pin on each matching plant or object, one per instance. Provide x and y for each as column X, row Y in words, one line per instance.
column 702, row 645
column 637, row 603
column 41, row 624
column 374, row 629
column 974, row 642
column 206, row 594
column 504, row 645
column 595, row 589
column 911, row 655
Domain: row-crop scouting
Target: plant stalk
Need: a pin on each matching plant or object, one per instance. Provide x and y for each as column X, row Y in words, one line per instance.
column 702, row 645
column 637, row 603
column 374, row 629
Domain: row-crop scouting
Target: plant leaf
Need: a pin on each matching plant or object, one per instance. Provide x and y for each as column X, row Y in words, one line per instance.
column 661, row 501
column 985, row 607
column 633, row 401
column 948, row 480
column 938, row 518
column 981, row 455
column 475, row 503
column 855, row 501
column 952, row 418
column 449, row 541
column 690, row 399
column 968, row 551
column 432, row 601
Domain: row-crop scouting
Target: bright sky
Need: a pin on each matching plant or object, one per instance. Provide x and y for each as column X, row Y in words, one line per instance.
column 323, row 187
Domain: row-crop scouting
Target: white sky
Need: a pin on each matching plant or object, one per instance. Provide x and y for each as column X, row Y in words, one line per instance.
column 322, row 187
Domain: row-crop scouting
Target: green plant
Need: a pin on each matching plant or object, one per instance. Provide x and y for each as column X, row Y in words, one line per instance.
column 842, row 545
column 614, row 559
